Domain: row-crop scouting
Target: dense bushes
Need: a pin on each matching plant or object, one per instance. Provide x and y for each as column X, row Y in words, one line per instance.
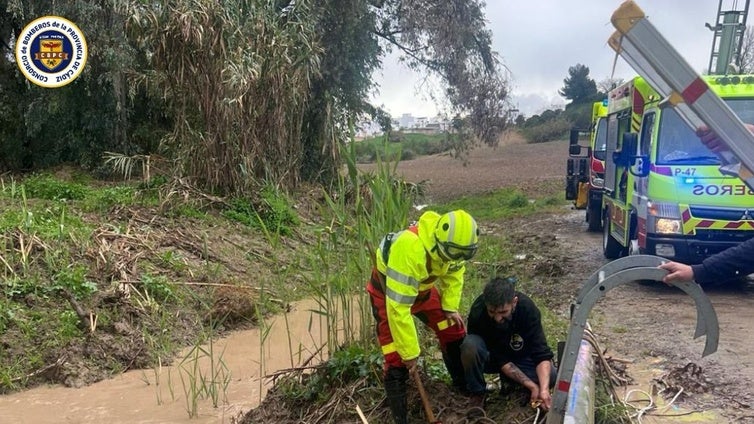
column 555, row 124
column 550, row 125
column 547, row 131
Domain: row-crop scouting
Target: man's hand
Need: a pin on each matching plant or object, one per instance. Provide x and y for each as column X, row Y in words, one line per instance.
column 677, row 272
column 544, row 396
column 456, row 318
column 535, row 400
column 711, row 140
column 411, row 365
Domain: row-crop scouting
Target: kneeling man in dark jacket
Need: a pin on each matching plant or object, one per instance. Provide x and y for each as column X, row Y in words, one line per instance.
column 505, row 336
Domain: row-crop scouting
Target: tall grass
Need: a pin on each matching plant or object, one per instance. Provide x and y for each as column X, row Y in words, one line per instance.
column 229, row 131
column 358, row 211
column 376, row 204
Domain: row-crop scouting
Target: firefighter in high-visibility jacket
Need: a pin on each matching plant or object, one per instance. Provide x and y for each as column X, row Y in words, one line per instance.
column 419, row 272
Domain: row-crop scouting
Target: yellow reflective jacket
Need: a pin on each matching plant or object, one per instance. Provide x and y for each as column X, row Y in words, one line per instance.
column 413, row 266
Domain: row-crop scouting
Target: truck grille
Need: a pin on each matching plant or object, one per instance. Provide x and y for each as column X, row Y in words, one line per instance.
column 724, row 235
column 723, row 214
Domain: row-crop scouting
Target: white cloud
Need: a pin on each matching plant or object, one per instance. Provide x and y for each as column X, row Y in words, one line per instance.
column 402, row 90
column 539, row 40
column 535, row 103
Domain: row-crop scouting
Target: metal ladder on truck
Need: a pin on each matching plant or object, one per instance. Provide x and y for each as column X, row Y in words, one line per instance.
column 728, row 38
column 649, row 53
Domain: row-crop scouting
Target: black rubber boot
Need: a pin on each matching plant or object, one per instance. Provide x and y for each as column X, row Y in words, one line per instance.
column 452, row 358
column 395, row 390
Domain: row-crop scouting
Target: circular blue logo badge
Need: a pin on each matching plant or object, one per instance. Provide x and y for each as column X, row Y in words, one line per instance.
column 51, row 51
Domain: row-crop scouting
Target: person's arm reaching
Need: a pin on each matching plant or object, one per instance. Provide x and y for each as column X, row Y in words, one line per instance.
column 544, row 369
column 736, row 261
column 513, row 372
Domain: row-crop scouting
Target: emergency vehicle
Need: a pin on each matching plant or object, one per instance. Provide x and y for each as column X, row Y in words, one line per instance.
column 585, row 168
column 664, row 194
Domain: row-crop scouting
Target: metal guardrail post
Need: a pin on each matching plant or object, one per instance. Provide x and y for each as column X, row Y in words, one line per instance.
column 580, row 405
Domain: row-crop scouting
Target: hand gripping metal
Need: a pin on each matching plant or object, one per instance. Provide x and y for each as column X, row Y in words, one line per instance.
column 646, row 261
column 609, row 276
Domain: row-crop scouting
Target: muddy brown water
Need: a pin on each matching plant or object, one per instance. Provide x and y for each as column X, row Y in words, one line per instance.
column 141, row 397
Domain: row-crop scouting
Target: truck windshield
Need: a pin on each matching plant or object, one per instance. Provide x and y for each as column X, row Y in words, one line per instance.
column 600, row 140
column 678, row 144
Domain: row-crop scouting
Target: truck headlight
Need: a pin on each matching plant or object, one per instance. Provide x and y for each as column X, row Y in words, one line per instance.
column 664, row 218
column 668, row 226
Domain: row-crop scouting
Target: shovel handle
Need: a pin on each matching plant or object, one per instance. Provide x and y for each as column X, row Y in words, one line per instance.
column 425, row 400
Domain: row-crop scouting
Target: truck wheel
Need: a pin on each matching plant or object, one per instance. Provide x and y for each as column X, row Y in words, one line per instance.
column 593, row 216
column 610, row 247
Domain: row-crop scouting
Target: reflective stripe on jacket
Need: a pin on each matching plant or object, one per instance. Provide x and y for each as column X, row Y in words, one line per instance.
column 413, row 266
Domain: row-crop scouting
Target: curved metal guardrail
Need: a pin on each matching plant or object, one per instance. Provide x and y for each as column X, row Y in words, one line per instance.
column 609, row 276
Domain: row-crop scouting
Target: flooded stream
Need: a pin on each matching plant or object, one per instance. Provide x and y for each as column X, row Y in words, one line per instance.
column 141, row 396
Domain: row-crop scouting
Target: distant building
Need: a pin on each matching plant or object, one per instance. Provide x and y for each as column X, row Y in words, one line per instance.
column 406, row 121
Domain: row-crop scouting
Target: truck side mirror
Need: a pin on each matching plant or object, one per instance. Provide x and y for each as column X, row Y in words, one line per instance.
column 574, row 150
column 641, row 168
column 574, row 136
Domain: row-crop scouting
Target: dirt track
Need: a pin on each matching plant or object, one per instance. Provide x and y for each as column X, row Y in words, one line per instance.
column 649, row 325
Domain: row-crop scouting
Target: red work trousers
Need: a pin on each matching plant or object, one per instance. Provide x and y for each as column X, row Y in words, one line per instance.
column 426, row 307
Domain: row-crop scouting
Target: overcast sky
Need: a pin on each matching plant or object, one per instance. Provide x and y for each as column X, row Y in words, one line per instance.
column 538, row 40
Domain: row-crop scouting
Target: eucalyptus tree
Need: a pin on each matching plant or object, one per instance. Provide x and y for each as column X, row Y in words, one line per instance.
column 241, row 91
column 447, row 39
column 450, row 39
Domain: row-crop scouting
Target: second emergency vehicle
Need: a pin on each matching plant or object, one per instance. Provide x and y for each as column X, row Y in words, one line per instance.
column 585, row 170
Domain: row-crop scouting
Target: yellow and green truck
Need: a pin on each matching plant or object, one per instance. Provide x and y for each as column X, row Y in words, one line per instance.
column 664, row 194
column 585, row 167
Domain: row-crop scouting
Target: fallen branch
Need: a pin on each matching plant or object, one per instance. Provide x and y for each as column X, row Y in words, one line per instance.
column 41, row 370
column 193, row 283
column 361, row 415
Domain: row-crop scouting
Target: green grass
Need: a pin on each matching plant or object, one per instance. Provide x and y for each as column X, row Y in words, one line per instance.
column 402, row 146
column 509, row 203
